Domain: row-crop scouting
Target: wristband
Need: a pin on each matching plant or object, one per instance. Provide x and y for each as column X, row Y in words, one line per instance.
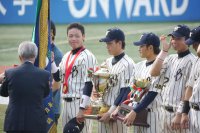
column 180, row 107
column 186, row 107
column 54, row 68
column 84, row 101
column 162, row 55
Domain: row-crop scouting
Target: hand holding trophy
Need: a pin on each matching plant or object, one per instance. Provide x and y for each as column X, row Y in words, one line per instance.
column 138, row 90
column 100, row 79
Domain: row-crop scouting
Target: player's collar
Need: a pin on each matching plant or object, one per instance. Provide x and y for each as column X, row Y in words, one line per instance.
column 117, row 58
column 182, row 54
column 74, row 51
column 149, row 63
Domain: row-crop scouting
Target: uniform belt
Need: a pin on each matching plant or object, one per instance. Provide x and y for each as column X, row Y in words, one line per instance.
column 169, row 108
column 70, row 99
column 195, row 106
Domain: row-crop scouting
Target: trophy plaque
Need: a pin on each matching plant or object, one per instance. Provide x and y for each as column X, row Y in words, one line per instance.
column 98, row 107
column 138, row 89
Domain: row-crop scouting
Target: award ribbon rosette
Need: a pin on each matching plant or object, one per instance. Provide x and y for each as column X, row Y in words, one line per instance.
column 100, row 78
column 138, row 89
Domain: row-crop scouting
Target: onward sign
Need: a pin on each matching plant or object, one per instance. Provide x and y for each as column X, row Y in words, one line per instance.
column 90, row 11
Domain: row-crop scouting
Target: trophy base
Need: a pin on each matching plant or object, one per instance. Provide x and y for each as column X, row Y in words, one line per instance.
column 140, row 120
column 95, row 112
column 94, row 117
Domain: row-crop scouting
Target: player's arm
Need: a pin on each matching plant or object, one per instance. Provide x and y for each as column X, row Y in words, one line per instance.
column 122, row 95
column 87, row 90
column 130, row 117
column 4, row 86
column 157, row 65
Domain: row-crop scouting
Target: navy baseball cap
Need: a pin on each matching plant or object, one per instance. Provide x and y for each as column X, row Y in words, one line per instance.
column 194, row 36
column 73, row 126
column 148, row 38
column 113, row 34
column 181, row 31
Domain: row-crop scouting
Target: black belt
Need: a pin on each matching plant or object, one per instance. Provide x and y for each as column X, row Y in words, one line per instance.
column 195, row 106
column 169, row 108
column 70, row 99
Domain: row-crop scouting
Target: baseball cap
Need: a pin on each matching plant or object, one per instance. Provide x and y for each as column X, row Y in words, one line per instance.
column 148, row 38
column 113, row 34
column 180, row 31
column 73, row 126
column 194, row 36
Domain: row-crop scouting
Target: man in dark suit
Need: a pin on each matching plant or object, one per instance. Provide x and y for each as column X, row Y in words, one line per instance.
column 26, row 86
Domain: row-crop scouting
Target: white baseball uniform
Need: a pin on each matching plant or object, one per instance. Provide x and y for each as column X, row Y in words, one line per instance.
column 194, row 82
column 76, row 82
column 176, row 70
column 121, row 73
column 142, row 72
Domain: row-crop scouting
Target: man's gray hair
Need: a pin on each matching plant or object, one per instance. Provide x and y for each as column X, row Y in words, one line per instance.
column 27, row 50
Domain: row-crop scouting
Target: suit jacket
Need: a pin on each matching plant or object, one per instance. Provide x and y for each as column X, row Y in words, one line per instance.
column 26, row 87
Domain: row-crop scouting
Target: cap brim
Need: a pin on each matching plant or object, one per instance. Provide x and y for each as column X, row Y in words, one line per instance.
column 175, row 34
column 105, row 40
column 189, row 41
column 138, row 43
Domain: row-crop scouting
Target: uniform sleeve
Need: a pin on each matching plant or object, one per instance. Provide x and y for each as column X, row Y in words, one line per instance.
column 90, row 62
column 125, row 76
column 191, row 79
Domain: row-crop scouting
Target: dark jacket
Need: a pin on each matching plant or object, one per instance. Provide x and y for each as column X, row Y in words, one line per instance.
column 26, row 87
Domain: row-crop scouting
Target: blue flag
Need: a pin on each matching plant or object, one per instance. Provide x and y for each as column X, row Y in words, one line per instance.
column 41, row 37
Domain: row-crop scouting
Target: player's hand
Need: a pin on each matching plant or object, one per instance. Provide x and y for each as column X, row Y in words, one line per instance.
column 105, row 117
column 115, row 112
column 2, row 77
column 52, row 56
column 164, row 43
column 95, row 94
column 176, row 122
column 129, row 118
column 80, row 116
column 185, row 121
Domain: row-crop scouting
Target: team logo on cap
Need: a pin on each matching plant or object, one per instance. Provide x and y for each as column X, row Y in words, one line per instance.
column 141, row 36
column 191, row 34
column 176, row 28
column 107, row 32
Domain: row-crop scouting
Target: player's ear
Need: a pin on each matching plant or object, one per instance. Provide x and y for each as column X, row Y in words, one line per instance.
column 83, row 37
column 150, row 47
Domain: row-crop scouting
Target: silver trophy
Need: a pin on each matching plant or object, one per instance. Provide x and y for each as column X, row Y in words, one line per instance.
column 97, row 107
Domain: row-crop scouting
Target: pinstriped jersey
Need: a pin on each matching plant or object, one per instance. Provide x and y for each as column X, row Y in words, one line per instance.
column 120, row 76
column 194, row 82
column 176, row 71
column 78, row 75
column 142, row 72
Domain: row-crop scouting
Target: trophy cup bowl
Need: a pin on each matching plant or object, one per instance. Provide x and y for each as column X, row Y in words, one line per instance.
column 141, row 83
column 98, row 107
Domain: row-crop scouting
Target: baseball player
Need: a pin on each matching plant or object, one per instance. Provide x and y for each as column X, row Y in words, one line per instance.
column 149, row 48
column 120, row 68
column 176, row 71
column 191, row 101
column 57, row 58
column 73, row 74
